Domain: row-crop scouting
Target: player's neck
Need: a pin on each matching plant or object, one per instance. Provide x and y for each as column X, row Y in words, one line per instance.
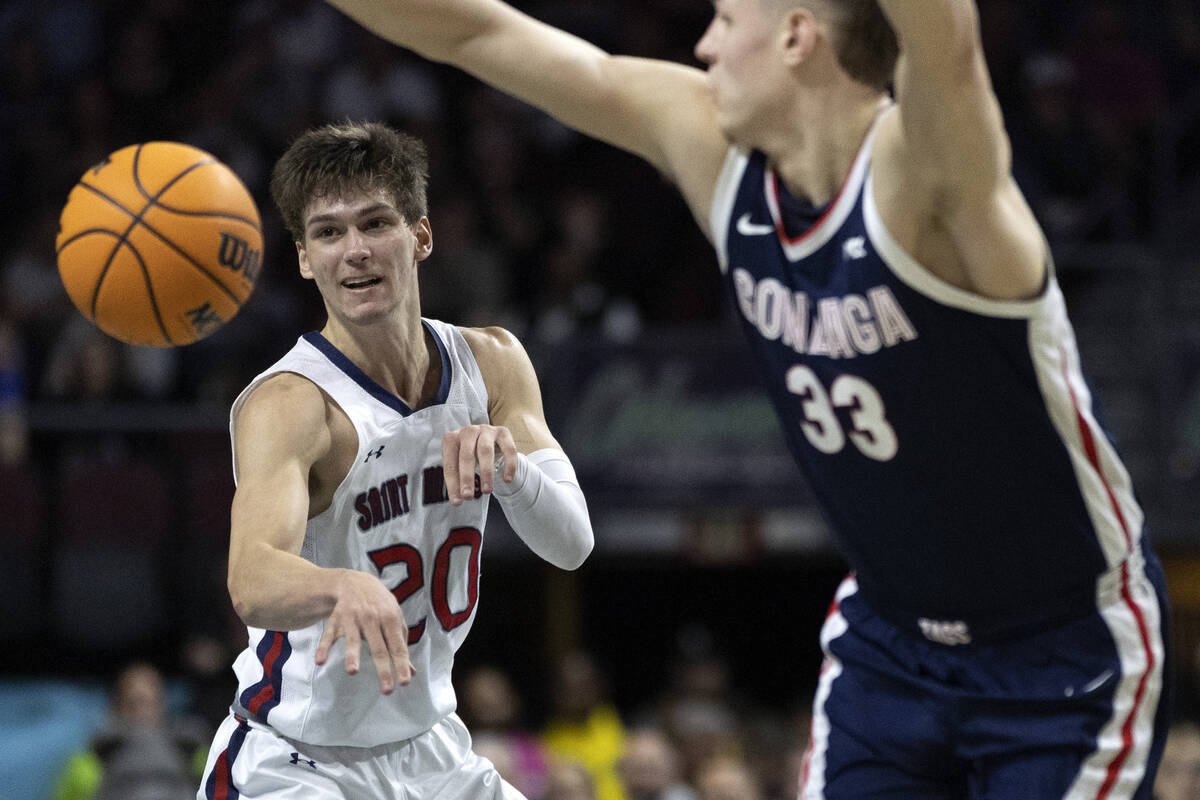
column 401, row 357
column 815, row 152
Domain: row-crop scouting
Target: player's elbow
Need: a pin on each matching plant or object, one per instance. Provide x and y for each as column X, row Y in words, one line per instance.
column 246, row 602
column 242, row 600
column 579, row 547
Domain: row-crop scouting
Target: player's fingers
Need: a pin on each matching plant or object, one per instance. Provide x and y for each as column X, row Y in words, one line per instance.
column 485, row 457
column 353, row 646
column 329, row 636
column 397, row 644
column 450, row 447
column 468, row 437
column 382, row 659
column 508, row 449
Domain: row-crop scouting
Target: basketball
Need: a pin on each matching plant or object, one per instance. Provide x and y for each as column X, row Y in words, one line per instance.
column 159, row 244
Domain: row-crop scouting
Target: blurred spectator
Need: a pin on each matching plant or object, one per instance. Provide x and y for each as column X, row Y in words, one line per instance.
column 14, row 432
column 383, row 83
column 727, row 778
column 211, row 683
column 140, row 754
column 570, row 781
column 574, row 298
column 585, row 727
column 85, row 364
column 1054, row 156
column 491, row 708
column 1179, row 774
column 1123, row 99
column 467, row 279
column 650, row 768
column 698, row 710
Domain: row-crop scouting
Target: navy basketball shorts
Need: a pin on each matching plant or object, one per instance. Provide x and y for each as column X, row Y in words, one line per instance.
column 1079, row 711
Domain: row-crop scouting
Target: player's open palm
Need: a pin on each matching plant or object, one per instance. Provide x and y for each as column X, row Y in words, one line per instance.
column 367, row 612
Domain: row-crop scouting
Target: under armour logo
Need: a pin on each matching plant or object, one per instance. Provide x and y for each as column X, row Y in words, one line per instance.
column 376, row 453
column 855, row 248
column 296, row 759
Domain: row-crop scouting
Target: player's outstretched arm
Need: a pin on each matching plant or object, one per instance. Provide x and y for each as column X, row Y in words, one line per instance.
column 658, row 110
column 281, row 432
column 950, row 139
column 536, row 484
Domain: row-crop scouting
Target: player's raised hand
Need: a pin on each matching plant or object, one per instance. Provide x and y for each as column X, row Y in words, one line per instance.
column 476, row 446
column 367, row 611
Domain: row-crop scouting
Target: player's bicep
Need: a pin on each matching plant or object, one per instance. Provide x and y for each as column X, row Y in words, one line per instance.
column 514, row 395
column 280, row 431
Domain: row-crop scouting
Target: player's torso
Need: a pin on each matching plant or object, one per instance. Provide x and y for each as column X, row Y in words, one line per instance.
column 944, row 434
column 390, row 516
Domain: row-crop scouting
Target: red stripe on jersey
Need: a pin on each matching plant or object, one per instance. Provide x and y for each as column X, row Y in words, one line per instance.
column 1114, row 768
column 268, row 691
column 779, row 226
column 1089, row 448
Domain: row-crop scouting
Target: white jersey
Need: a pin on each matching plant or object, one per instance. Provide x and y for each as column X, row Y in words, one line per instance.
column 390, row 517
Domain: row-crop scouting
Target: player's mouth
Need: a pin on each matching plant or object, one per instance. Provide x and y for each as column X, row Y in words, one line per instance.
column 361, row 283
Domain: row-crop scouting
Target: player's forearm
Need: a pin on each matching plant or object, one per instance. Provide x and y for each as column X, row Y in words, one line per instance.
column 546, row 508
column 434, row 28
column 276, row 590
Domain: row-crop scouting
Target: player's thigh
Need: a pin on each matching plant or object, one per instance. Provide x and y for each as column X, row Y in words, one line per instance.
column 440, row 765
column 249, row 763
column 880, row 729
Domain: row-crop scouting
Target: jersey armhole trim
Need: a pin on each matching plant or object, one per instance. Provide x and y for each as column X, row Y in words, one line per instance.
column 921, row 280
column 724, row 197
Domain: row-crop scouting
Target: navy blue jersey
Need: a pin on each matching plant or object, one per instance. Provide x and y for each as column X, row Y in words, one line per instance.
column 948, row 437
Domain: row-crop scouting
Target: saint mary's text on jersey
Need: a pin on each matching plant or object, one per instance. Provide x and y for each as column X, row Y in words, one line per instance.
column 389, row 500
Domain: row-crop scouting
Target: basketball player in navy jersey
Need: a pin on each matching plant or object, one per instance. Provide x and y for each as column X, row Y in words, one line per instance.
column 365, row 459
column 1002, row 633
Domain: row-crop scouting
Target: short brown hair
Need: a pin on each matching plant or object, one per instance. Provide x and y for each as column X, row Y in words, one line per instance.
column 338, row 159
column 863, row 40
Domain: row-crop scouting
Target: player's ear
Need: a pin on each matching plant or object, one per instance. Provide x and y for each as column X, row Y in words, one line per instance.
column 798, row 35
column 423, row 239
column 302, row 257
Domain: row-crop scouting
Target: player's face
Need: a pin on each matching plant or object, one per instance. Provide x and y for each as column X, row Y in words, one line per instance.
column 362, row 254
column 737, row 47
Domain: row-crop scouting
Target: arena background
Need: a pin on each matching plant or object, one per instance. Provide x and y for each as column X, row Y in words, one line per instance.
column 115, row 482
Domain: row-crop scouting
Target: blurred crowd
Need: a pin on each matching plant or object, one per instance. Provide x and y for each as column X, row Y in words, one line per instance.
column 547, row 233
column 537, row 228
column 699, row 741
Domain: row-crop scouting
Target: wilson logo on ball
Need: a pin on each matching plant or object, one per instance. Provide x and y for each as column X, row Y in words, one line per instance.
column 237, row 255
column 159, row 244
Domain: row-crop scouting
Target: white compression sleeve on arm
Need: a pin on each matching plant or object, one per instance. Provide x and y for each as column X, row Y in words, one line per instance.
column 546, row 508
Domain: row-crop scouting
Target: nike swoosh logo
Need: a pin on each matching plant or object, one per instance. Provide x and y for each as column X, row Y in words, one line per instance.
column 747, row 228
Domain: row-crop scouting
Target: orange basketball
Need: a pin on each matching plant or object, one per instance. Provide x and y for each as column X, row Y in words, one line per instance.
column 159, row 244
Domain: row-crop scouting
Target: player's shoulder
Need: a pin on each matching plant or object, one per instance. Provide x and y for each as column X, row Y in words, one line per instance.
column 287, row 398
column 492, row 343
column 501, row 357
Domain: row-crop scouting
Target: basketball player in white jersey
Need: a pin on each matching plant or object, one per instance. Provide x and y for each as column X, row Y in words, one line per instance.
column 1003, row 633
column 365, row 461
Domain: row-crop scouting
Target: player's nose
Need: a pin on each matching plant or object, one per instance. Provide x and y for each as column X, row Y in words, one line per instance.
column 356, row 245
column 704, row 47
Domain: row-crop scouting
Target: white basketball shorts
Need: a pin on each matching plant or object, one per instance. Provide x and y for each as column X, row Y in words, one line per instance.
column 249, row 761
